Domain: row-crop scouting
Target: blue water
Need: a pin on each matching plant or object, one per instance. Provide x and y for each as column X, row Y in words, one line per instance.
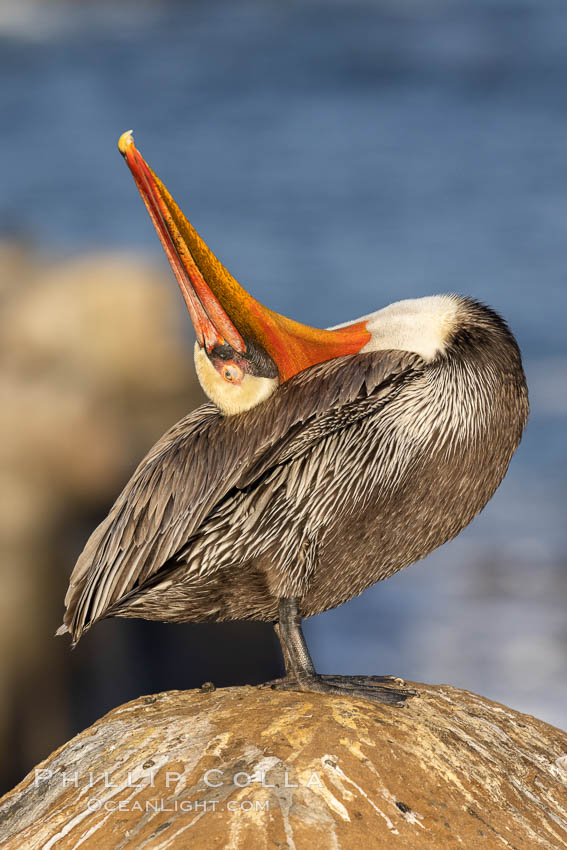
column 338, row 156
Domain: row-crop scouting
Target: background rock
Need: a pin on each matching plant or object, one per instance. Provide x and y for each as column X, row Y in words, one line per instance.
column 93, row 368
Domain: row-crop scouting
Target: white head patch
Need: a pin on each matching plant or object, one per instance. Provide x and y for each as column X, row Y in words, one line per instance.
column 421, row 325
column 231, row 398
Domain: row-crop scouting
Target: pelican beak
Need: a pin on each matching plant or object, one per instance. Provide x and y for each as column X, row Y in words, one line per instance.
column 222, row 311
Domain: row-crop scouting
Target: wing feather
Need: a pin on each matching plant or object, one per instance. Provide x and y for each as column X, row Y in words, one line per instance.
column 204, row 457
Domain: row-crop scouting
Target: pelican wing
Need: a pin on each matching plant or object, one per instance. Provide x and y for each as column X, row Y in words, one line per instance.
column 339, row 396
column 203, row 458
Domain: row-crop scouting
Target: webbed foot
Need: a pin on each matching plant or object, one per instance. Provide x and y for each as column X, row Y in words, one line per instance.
column 382, row 689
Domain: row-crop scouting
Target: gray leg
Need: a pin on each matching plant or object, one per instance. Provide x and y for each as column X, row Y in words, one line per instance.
column 286, row 659
column 292, row 640
column 302, row 676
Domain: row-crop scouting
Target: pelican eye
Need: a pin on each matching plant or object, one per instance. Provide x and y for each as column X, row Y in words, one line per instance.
column 231, row 373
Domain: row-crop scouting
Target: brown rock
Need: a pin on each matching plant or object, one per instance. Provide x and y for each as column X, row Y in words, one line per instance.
column 255, row 768
column 94, row 366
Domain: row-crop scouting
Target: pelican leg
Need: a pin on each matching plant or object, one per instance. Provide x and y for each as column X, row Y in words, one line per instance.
column 293, row 643
column 302, row 676
column 286, row 658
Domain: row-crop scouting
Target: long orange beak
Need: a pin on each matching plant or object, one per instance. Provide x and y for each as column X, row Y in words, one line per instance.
column 221, row 310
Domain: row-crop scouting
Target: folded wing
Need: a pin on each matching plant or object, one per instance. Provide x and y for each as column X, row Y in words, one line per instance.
column 204, row 457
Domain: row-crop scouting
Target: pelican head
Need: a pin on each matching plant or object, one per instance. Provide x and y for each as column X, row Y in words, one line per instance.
column 244, row 350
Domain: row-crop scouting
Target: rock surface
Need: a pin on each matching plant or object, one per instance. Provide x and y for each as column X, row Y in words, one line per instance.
column 255, row 768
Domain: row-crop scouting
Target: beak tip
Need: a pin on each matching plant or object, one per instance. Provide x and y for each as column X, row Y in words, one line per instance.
column 125, row 141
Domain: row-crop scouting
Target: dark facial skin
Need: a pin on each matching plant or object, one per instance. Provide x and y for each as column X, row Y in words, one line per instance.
column 233, row 366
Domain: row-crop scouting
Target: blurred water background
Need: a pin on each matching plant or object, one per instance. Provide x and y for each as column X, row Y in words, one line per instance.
column 337, row 156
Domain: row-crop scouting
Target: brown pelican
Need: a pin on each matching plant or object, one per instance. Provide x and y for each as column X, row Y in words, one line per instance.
column 326, row 461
